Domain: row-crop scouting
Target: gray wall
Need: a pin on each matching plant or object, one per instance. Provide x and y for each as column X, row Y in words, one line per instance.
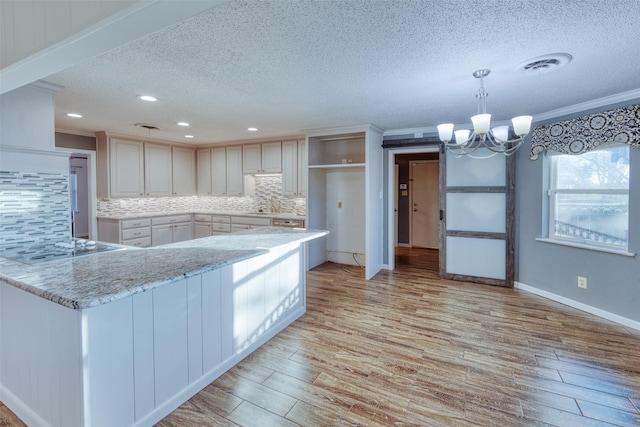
column 613, row 280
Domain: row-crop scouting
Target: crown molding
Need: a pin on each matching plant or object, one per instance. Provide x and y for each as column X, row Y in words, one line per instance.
column 632, row 95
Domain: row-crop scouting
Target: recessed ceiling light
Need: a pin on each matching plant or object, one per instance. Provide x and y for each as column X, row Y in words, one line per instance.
column 252, row 129
column 74, row 115
column 188, row 136
column 183, row 124
column 148, row 98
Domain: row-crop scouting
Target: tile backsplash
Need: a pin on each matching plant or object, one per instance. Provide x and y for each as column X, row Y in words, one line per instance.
column 34, row 207
column 268, row 198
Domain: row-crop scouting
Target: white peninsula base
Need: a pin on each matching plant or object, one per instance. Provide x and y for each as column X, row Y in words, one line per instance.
column 132, row 361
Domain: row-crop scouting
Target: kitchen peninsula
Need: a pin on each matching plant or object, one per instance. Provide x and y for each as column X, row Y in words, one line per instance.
column 122, row 338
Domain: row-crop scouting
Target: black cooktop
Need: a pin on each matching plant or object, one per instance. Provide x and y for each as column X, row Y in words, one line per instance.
column 34, row 253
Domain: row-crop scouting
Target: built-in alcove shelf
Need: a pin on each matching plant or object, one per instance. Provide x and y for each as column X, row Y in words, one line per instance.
column 337, row 166
column 346, row 150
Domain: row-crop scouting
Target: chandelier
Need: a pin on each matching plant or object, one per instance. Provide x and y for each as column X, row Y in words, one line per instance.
column 496, row 140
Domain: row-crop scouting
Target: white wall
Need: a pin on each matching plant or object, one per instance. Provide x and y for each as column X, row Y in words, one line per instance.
column 27, row 117
column 347, row 223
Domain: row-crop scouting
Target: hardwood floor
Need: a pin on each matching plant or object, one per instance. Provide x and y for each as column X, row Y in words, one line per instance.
column 409, row 349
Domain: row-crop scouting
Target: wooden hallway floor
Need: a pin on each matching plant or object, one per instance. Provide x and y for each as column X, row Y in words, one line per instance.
column 409, row 349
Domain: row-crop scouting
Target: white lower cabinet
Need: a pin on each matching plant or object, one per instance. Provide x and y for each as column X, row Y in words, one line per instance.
column 130, row 232
column 248, row 222
column 131, row 361
column 220, row 224
column 210, row 225
column 171, row 229
column 201, row 229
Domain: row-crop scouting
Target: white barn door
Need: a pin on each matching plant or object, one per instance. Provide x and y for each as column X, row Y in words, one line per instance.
column 477, row 219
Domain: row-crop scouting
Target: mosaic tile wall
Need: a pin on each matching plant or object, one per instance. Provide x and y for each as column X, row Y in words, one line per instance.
column 34, row 207
column 268, row 197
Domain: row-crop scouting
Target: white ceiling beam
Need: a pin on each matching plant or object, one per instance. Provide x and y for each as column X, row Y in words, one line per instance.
column 138, row 20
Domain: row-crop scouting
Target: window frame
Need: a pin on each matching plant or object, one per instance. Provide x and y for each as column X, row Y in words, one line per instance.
column 552, row 192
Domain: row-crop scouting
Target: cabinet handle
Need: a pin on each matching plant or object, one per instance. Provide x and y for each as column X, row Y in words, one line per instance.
column 137, row 234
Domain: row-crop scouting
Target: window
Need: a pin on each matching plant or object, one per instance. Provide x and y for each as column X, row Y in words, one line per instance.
column 589, row 197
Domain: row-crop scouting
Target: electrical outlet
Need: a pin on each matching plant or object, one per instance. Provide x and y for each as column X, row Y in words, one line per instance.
column 582, row 282
column 339, row 205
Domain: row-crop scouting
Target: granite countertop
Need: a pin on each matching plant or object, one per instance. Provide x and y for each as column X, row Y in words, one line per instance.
column 201, row 212
column 104, row 277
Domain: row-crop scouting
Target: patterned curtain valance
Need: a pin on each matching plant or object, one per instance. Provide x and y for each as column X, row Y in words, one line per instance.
column 582, row 134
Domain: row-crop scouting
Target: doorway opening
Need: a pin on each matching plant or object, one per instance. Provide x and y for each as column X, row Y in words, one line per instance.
column 414, row 188
column 79, row 195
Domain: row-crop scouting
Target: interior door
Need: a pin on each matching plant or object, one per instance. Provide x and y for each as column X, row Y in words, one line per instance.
column 425, row 194
column 477, row 221
column 396, row 180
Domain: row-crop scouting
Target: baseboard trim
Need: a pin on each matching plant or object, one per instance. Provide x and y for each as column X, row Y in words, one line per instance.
column 580, row 306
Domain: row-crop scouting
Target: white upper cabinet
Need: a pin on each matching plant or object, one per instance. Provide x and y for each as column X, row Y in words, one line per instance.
column 158, row 170
column 184, row 171
column 302, row 168
column 235, row 177
column 219, row 171
column 293, row 168
column 203, row 170
column 290, row 168
column 252, row 162
column 126, row 167
column 272, row 157
column 262, row 158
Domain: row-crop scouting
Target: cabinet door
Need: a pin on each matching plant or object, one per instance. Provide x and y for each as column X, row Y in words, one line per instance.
column 271, row 157
column 203, row 170
column 184, row 171
column 252, row 160
column 302, row 168
column 219, row 171
column 234, row 171
column 182, row 231
column 290, row 168
column 202, row 229
column 126, row 168
column 157, row 170
column 161, row 234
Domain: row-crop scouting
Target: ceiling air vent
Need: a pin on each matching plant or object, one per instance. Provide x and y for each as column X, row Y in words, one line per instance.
column 148, row 126
column 543, row 64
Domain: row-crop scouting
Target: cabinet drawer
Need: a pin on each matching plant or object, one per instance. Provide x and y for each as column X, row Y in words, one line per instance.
column 135, row 233
column 134, row 223
column 202, row 218
column 221, row 228
column 142, row 242
column 264, row 222
column 221, row 219
column 170, row 219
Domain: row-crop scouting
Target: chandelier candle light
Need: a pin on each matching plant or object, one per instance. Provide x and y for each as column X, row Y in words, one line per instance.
column 495, row 140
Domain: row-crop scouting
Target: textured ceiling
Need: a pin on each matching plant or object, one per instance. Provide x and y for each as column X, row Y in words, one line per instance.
column 288, row 66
